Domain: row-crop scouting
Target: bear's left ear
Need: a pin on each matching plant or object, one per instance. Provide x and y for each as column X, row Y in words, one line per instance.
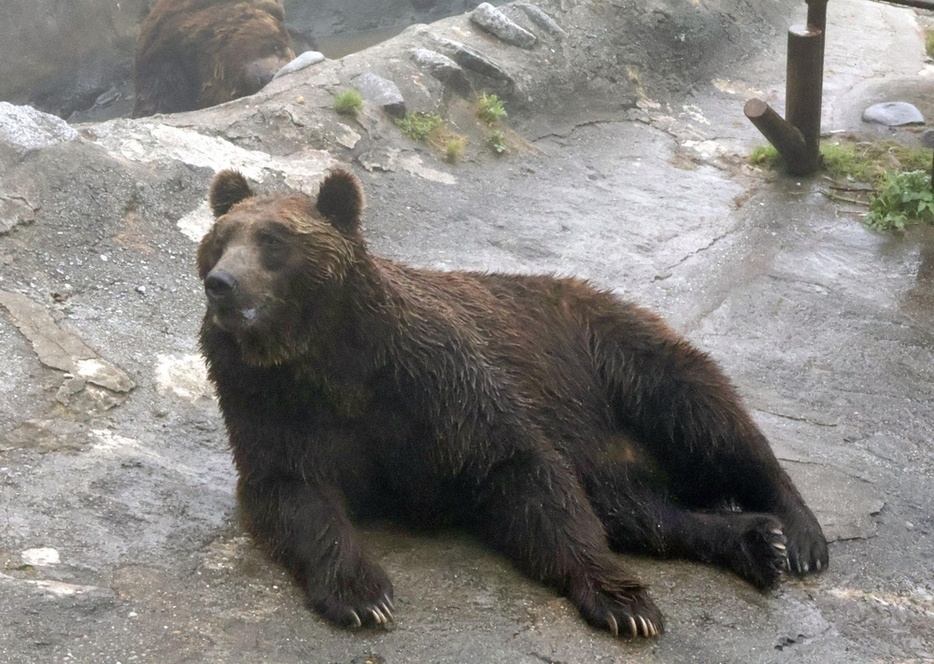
column 228, row 189
column 340, row 200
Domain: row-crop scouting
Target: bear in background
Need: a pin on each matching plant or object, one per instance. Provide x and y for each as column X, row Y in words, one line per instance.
column 193, row 54
column 553, row 420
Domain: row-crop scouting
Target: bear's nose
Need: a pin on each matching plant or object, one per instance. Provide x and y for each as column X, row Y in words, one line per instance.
column 219, row 285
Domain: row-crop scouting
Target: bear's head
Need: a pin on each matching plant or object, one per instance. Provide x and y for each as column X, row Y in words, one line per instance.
column 274, row 267
column 248, row 43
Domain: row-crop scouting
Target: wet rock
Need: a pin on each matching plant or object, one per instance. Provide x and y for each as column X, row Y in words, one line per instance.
column 475, row 61
column 542, row 20
column 26, row 129
column 62, row 350
column 58, row 435
column 306, row 59
column 15, row 210
column 492, row 20
column 381, row 92
column 442, row 68
column 893, row 114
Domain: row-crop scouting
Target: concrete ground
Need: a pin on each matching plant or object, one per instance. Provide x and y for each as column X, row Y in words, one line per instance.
column 118, row 541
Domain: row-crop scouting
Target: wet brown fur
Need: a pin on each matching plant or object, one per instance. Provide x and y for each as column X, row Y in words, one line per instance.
column 193, row 54
column 552, row 419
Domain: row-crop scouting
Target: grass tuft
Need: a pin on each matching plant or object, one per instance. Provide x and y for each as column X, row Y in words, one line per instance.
column 348, row 102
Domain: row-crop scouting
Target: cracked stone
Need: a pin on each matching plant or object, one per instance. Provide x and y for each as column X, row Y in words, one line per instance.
column 380, row 92
column 60, row 435
column 495, row 22
column 15, row 211
column 475, row 61
column 62, row 350
column 442, row 68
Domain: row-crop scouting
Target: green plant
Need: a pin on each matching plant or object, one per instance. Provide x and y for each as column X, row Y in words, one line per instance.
column 496, row 141
column 903, row 199
column 929, row 42
column 348, row 102
column 418, row 126
column 490, row 109
column 764, row 155
column 454, row 148
column 862, row 161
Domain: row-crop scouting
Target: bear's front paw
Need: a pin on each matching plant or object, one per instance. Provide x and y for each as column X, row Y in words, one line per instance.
column 361, row 597
column 624, row 610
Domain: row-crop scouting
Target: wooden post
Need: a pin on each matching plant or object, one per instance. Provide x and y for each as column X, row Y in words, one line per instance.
column 797, row 137
column 803, row 92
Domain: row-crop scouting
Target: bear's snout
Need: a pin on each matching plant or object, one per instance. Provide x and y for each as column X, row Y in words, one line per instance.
column 219, row 286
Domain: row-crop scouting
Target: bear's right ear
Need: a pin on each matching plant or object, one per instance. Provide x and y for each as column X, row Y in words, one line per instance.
column 228, row 189
column 340, row 200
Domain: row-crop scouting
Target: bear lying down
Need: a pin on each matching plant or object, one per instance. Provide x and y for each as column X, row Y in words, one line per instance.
column 553, row 420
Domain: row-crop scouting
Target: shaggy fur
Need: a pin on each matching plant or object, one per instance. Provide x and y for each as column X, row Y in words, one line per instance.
column 552, row 419
column 193, row 54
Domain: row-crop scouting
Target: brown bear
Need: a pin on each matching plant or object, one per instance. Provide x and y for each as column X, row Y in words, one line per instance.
column 555, row 421
column 197, row 53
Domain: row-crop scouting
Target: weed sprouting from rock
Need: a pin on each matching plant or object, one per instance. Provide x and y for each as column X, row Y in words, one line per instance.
column 348, row 102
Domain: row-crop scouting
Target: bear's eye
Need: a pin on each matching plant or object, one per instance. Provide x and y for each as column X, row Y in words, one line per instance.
column 271, row 240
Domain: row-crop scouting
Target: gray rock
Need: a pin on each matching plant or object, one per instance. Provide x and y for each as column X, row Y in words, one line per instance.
column 487, row 17
column 471, row 59
column 381, row 92
column 306, row 59
column 442, row 68
column 542, row 20
column 62, row 350
column 893, row 114
column 27, row 129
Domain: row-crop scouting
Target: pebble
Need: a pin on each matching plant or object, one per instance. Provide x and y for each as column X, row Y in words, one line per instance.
column 40, row 556
column 306, row 59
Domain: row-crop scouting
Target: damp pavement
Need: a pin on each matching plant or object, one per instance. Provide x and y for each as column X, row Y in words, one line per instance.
column 118, row 538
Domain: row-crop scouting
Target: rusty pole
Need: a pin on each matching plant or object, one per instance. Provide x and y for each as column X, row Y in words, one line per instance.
column 797, row 137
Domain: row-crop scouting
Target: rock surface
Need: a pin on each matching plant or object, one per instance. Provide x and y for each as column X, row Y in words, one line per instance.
column 625, row 164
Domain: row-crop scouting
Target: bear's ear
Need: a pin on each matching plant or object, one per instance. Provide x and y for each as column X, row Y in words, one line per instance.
column 340, row 200
column 272, row 7
column 228, row 189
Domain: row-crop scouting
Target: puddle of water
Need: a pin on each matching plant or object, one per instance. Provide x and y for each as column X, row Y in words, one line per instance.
column 337, row 46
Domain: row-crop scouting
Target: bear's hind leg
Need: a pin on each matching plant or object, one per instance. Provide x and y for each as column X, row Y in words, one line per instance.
column 676, row 401
column 752, row 545
column 532, row 508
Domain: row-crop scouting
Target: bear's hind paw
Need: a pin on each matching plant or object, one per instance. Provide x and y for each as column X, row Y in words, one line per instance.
column 762, row 554
column 629, row 614
column 356, row 615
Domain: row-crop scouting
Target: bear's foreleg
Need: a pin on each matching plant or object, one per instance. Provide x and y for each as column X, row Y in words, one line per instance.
column 532, row 508
column 306, row 528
